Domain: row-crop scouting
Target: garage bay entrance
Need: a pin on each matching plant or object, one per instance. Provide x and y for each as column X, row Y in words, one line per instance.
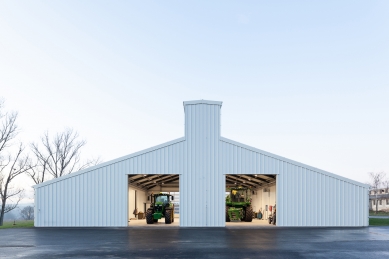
column 250, row 200
column 155, row 197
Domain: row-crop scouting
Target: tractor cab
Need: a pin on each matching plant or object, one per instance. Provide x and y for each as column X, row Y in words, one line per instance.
column 239, row 195
column 162, row 199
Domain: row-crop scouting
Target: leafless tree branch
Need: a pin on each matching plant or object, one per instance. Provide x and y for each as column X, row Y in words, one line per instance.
column 58, row 156
column 8, row 130
column 27, row 213
column 90, row 162
column 10, row 167
column 16, row 166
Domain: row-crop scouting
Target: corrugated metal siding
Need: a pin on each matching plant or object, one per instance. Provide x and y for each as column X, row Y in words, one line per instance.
column 99, row 197
column 315, row 199
column 321, row 200
column 305, row 197
column 201, row 186
column 238, row 160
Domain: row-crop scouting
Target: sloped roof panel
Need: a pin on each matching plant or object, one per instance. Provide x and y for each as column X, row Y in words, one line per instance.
column 232, row 142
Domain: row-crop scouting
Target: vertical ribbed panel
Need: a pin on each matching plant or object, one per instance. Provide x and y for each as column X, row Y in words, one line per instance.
column 201, row 185
column 100, row 197
column 305, row 196
column 309, row 198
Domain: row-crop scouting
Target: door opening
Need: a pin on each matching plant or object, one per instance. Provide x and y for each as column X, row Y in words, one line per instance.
column 143, row 189
column 251, row 200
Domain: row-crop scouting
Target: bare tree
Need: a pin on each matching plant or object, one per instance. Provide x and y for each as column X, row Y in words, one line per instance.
column 12, row 167
column 58, row 156
column 37, row 172
column 375, row 183
column 386, row 184
column 27, row 213
column 8, row 130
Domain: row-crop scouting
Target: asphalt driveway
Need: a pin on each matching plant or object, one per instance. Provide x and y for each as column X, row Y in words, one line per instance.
column 372, row 242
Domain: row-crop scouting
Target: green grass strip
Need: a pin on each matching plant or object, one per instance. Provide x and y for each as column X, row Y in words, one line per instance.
column 18, row 224
column 378, row 222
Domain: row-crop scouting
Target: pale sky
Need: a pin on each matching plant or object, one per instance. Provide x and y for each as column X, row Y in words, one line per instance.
column 307, row 80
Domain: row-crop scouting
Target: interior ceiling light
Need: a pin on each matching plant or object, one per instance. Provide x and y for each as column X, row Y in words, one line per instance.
column 144, row 175
column 255, row 175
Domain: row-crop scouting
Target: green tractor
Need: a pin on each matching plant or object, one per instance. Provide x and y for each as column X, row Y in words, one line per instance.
column 160, row 207
column 238, row 205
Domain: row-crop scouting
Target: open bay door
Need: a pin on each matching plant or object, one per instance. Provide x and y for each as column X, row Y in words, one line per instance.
column 153, row 200
column 251, row 200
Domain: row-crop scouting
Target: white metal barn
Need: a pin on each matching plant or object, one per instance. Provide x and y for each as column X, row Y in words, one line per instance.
column 200, row 165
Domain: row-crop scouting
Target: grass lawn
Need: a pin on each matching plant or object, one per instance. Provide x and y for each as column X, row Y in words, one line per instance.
column 379, row 213
column 379, row 222
column 19, row 224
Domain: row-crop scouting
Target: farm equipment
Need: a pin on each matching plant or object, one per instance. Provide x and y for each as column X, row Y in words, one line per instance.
column 272, row 217
column 160, row 207
column 238, row 205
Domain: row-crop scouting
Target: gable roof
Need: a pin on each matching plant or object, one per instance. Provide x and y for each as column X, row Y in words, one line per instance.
column 292, row 162
column 203, row 102
column 226, row 140
column 169, row 143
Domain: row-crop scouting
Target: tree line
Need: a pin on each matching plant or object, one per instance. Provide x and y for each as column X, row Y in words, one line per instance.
column 53, row 156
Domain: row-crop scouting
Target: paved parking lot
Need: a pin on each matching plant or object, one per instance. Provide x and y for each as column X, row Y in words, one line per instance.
column 372, row 242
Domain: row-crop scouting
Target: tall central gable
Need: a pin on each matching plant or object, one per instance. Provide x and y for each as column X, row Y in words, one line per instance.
column 202, row 134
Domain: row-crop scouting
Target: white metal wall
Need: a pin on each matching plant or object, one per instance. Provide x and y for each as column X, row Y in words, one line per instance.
column 310, row 198
column 202, row 188
column 306, row 196
column 98, row 196
column 236, row 159
column 94, row 198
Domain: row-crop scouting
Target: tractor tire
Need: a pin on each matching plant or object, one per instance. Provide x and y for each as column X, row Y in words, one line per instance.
column 168, row 216
column 173, row 214
column 249, row 214
column 227, row 217
column 149, row 217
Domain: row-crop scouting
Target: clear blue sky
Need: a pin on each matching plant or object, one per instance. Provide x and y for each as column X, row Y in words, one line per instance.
column 308, row 80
